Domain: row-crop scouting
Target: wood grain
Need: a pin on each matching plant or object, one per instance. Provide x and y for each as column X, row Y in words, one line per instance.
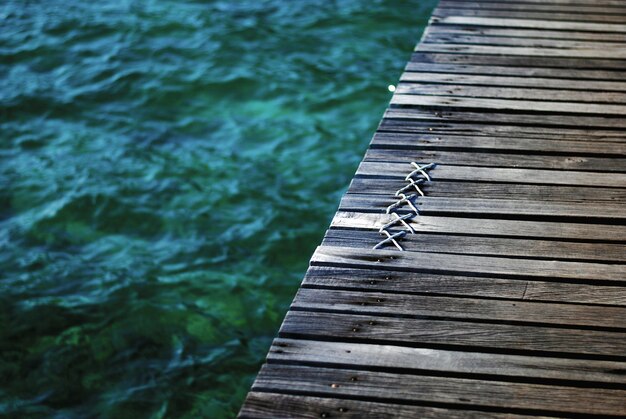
column 508, row 105
column 530, row 79
column 489, row 190
column 453, row 391
column 529, row 161
column 487, row 227
column 420, row 306
column 606, row 212
column 462, row 285
column 444, row 172
column 390, row 357
column 283, row 406
column 412, row 141
column 463, row 335
column 486, row 246
column 436, row 262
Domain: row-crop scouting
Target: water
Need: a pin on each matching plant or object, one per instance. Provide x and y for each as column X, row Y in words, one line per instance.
column 166, row 170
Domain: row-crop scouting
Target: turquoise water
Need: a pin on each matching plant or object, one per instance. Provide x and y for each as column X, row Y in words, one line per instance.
column 166, row 170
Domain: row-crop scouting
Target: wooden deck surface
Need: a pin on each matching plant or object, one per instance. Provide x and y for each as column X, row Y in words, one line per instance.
column 508, row 298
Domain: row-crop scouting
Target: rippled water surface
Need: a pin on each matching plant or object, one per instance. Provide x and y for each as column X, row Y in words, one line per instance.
column 166, row 170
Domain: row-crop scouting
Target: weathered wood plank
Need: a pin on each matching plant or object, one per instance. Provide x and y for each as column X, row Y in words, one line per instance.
column 563, row 14
column 444, row 284
column 458, row 123
column 564, row 44
column 454, row 391
column 520, row 33
column 597, row 79
column 604, row 3
column 485, row 246
column 492, row 208
column 282, row 406
column 443, row 172
column 535, row 93
column 488, row 227
column 473, row 206
column 478, row 309
column 591, row 8
column 595, row 64
column 359, row 355
column 472, row 336
column 614, row 21
column 383, row 186
column 525, row 22
column 504, row 160
column 614, row 53
column 409, row 141
column 508, row 104
column 514, row 81
column 464, row 264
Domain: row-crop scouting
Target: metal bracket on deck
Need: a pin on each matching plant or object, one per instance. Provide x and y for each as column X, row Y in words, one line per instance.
column 418, row 176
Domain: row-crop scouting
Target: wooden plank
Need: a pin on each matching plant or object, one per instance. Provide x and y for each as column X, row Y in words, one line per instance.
column 607, row 4
column 595, row 64
column 526, row 22
column 517, row 33
column 488, row 227
column 283, row 406
column 444, row 284
column 512, row 81
column 614, row 21
column 408, row 141
column 464, row 264
column 476, row 159
column 535, row 93
column 508, row 105
column 443, row 172
column 454, row 391
column 485, row 246
column 614, row 53
column 455, row 335
column 452, row 122
column 473, row 206
column 389, row 357
column 585, row 9
column 564, row 44
column 475, row 309
column 492, row 208
column 485, row 190
column 601, row 79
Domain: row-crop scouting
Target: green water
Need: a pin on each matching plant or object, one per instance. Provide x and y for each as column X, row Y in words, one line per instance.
column 166, row 170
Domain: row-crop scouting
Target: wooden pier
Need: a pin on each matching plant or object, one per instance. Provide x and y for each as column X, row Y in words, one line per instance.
column 501, row 288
